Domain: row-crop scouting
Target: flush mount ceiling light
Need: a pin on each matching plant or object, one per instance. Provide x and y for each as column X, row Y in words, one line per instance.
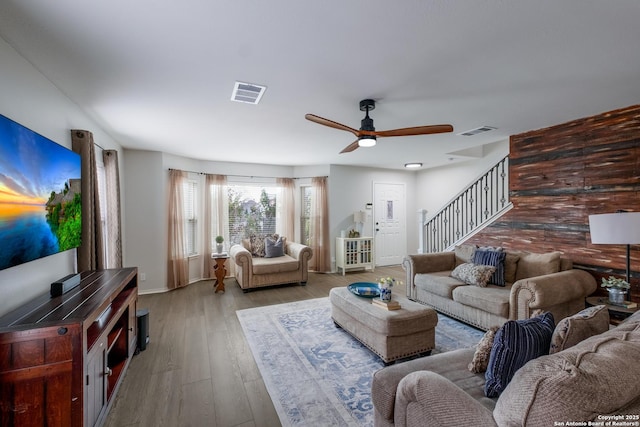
column 247, row 93
column 413, row 165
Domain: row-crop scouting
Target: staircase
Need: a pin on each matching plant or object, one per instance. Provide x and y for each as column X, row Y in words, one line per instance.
column 474, row 208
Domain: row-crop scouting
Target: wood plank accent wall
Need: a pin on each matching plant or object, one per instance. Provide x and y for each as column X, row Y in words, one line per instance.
column 562, row 174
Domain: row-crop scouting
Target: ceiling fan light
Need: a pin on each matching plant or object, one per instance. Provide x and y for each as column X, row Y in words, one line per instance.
column 413, row 165
column 367, row 141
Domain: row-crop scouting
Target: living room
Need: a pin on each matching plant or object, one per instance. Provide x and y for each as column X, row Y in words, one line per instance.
column 32, row 99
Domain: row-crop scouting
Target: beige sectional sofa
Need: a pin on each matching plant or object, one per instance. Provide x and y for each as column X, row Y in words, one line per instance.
column 534, row 283
column 254, row 271
column 594, row 380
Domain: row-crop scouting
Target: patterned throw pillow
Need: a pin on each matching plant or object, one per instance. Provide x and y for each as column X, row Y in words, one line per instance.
column 517, row 342
column 472, row 274
column 256, row 242
column 273, row 247
column 573, row 329
column 483, row 350
column 494, row 257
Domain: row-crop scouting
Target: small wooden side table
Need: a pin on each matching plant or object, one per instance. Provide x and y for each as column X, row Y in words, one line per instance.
column 616, row 313
column 219, row 271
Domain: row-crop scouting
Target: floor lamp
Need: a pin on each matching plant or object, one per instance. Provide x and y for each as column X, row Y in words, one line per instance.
column 621, row 228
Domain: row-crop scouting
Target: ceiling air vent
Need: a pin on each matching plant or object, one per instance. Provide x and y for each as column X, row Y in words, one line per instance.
column 247, row 92
column 477, row 131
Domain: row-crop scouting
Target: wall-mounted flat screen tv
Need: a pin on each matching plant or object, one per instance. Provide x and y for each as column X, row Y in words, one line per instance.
column 40, row 203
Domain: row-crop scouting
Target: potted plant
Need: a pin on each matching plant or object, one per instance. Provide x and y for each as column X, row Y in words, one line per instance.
column 219, row 247
column 617, row 289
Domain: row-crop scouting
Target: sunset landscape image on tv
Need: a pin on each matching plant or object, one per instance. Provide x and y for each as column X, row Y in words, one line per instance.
column 40, row 203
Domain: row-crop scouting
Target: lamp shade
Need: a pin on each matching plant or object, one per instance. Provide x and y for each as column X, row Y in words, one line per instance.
column 360, row 217
column 615, row 228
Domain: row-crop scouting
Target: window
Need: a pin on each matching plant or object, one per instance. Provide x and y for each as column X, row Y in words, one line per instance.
column 305, row 214
column 191, row 221
column 252, row 210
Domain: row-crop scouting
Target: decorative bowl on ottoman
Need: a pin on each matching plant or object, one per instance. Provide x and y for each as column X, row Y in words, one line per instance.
column 364, row 289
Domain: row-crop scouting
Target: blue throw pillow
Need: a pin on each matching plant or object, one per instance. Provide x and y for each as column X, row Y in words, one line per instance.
column 273, row 248
column 515, row 343
column 495, row 258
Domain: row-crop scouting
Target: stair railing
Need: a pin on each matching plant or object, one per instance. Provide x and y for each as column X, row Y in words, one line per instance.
column 470, row 211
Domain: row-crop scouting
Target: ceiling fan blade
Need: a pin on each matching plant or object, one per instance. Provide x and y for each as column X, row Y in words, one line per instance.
column 330, row 123
column 349, row 148
column 418, row 130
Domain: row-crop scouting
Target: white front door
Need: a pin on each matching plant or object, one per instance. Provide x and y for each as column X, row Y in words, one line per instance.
column 389, row 223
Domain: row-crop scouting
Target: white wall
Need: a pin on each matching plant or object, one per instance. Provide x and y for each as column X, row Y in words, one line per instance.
column 145, row 213
column 31, row 100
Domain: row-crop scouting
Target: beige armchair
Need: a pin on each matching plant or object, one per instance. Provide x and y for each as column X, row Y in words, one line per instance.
column 254, row 272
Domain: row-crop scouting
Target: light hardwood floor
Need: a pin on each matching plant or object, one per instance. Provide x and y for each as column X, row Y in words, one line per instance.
column 198, row 369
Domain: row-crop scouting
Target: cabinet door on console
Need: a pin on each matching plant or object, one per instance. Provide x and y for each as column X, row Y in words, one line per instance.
column 37, row 382
column 96, row 384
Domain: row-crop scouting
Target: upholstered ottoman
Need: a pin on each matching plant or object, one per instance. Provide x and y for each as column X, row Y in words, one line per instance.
column 393, row 334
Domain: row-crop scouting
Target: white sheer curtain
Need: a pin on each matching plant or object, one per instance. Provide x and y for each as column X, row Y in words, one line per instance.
column 178, row 263
column 113, row 247
column 285, row 206
column 319, row 235
column 216, row 205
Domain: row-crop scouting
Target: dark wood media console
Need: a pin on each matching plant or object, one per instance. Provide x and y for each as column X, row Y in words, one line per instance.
column 63, row 358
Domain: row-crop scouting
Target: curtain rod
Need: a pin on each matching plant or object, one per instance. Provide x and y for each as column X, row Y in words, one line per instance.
column 251, row 176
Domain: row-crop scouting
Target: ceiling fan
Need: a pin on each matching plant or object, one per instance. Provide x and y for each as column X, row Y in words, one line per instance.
column 367, row 134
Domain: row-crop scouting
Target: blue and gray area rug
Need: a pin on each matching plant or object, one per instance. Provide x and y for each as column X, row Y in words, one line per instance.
column 317, row 374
